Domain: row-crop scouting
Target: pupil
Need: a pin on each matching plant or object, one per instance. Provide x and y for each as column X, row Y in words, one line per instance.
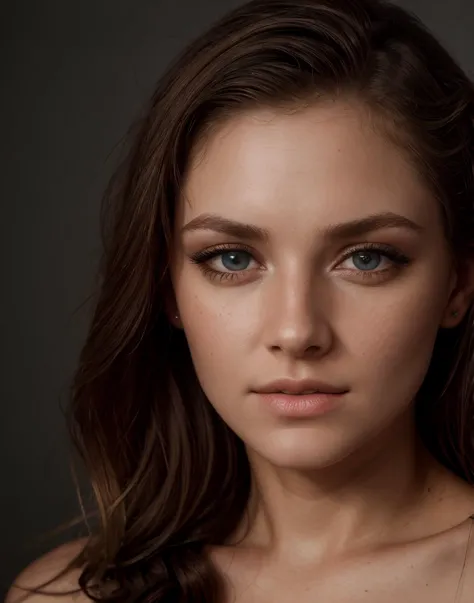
column 235, row 260
column 365, row 258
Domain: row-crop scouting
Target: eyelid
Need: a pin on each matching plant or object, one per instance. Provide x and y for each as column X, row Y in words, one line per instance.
column 392, row 253
column 381, row 247
column 215, row 250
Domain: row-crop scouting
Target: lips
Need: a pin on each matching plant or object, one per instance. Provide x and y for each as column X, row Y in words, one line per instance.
column 300, row 387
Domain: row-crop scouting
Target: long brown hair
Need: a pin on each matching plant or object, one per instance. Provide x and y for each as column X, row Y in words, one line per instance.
column 169, row 477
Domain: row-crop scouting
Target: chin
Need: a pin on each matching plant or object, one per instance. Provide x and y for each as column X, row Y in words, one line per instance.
column 306, row 451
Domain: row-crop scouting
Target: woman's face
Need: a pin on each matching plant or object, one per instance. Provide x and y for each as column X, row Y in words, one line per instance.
column 274, row 277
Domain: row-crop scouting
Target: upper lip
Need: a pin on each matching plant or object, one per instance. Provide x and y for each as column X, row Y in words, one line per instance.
column 297, row 387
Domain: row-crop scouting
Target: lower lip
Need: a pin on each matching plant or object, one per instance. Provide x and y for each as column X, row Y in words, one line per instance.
column 301, row 405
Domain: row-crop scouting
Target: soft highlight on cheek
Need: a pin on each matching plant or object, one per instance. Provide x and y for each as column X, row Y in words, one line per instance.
column 397, row 342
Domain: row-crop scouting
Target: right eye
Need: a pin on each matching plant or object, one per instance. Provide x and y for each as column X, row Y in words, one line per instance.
column 224, row 262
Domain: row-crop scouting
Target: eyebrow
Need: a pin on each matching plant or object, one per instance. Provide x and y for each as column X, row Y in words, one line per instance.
column 342, row 231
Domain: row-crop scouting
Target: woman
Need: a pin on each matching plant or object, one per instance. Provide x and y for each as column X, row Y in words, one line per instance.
column 275, row 401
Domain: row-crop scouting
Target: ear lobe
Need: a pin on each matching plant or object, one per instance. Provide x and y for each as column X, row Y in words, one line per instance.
column 451, row 319
column 171, row 308
column 173, row 318
column 176, row 321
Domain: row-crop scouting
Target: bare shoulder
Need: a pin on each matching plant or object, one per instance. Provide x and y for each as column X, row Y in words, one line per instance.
column 466, row 585
column 45, row 568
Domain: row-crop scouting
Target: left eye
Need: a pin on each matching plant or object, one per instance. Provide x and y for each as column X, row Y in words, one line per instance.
column 235, row 260
column 366, row 259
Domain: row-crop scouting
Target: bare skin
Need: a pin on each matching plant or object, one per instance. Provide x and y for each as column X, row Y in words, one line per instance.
column 424, row 570
column 347, row 506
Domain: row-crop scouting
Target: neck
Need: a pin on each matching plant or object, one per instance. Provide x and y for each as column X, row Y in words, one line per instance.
column 358, row 502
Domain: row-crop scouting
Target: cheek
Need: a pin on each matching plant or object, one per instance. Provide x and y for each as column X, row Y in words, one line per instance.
column 217, row 334
column 394, row 348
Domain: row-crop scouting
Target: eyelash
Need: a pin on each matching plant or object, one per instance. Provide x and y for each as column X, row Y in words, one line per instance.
column 202, row 257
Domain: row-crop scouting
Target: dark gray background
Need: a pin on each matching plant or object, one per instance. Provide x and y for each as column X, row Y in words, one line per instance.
column 74, row 76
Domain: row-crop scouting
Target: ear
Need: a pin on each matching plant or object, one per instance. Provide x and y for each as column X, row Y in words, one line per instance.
column 172, row 314
column 462, row 292
column 174, row 319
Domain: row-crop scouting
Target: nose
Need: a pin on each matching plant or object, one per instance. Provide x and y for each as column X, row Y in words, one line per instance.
column 296, row 320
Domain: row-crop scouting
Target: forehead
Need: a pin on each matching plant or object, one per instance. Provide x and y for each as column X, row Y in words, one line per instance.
column 326, row 162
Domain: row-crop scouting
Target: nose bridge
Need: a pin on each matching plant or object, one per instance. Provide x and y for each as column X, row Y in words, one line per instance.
column 295, row 316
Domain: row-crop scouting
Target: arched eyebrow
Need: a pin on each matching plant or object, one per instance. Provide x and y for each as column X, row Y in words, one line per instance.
column 341, row 231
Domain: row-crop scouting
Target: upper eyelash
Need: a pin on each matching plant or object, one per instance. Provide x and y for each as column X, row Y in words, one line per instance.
column 396, row 256
column 207, row 254
column 203, row 256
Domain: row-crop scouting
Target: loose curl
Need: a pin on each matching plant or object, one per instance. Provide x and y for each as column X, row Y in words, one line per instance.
column 170, row 478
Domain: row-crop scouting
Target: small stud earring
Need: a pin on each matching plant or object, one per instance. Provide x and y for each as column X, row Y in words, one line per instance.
column 454, row 313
